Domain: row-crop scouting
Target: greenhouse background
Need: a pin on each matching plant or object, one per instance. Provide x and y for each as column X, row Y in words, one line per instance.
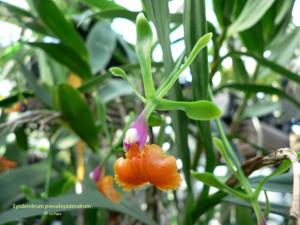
column 149, row 112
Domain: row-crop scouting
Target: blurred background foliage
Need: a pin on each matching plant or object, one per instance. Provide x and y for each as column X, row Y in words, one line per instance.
column 56, row 91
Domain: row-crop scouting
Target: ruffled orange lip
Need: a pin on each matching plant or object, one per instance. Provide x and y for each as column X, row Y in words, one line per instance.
column 151, row 165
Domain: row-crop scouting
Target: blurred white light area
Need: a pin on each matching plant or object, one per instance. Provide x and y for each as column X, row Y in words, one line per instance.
column 179, row 164
column 157, row 54
column 176, row 6
column 267, row 53
column 11, row 138
column 166, row 146
column 214, row 222
column 227, row 63
column 125, row 28
column 11, row 34
column 250, row 64
column 168, row 130
column 216, row 79
column 296, row 129
column 221, row 171
column 20, row 3
column 78, row 188
column 132, row 5
column 260, row 95
column 5, row 87
column 185, row 76
column 168, row 119
column 296, row 14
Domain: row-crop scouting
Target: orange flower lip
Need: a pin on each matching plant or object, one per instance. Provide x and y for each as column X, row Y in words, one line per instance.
column 150, row 164
column 105, row 186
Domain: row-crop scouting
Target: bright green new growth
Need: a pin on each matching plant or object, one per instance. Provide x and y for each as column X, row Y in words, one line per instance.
column 143, row 51
column 197, row 110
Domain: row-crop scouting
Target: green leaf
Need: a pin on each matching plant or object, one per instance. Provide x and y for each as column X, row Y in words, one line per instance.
column 54, row 19
column 17, row 11
column 10, row 52
column 69, row 57
column 252, row 12
column 89, row 198
column 143, row 51
column 101, row 43
column 211, row 180
column 40, row 92
column 76, row 112
column 196, row 110
column 254, row 88
column 13, row 179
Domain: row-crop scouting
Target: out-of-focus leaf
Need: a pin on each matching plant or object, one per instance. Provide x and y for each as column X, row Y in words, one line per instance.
column 114, row 88
column 8, row 101
column 280, row 209
column 211, row 180
column 17, row 11
column 40, row 92
column 261, row 109
column 54, row 19
column 281, row 183
column 103, row 4
column 117, row 13
column 271, row 65
column 21, row 137
column 93, row 82
column 239, row 70
column 197, row 110
column 69, row 57
column 253, row 38
column 285, row 165
column 285, row 7
column 76, row 112
column 252, row 12
column 88, row 199
column 10, row 52
column 13, row 179
column 100, row 43
column 254, row 88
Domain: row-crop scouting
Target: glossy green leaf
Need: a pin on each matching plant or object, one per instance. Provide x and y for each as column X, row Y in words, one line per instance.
column 252, row 12
column 70, row 58
column 90, row 198
column 254, row 88
column 196, row 110
column 40, row 92
column 76, row 112
column 143, row 51
column 10, row 52
column 54, row 19
column 101, row 43
column 211, row 180
column 13, row 179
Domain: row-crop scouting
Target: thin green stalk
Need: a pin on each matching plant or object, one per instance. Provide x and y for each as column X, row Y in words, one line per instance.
column 195, row 26
column 49, row 173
